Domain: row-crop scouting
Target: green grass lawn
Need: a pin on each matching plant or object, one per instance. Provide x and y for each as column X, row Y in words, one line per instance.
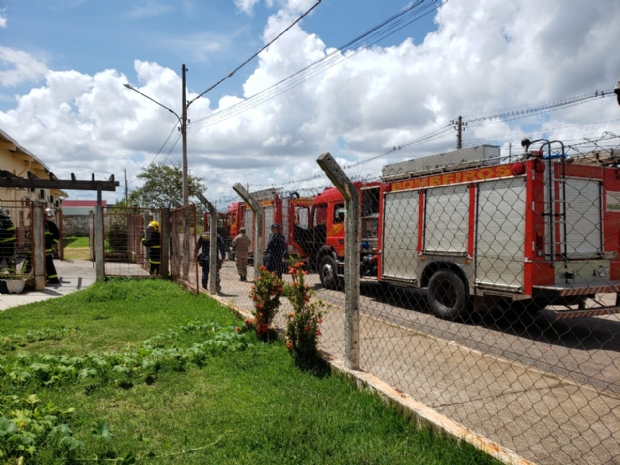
column 157, row 375
column 76, row 247
column 75, row 241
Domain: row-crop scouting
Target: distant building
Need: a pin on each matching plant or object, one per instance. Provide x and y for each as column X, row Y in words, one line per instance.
column 80, row 207
column 15, row 160
column 76, row 216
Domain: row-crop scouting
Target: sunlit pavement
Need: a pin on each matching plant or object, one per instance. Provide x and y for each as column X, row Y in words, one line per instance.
column 74, row 275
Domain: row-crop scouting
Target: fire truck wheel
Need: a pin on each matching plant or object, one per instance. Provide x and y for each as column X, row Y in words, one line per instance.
column 328, row 272
column 446, row 295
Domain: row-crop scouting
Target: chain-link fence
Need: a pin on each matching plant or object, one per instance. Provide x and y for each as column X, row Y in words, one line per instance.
column 488, row 289
column 124, row 251
column 183, row 227
column 16, row 241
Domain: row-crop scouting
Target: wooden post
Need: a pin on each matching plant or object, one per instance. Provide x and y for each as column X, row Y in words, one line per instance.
column 351, row 256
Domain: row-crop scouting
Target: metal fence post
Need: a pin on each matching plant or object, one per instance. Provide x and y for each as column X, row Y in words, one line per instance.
column 258, row 224
column 165, row 243
column 351, row 256
column 213, row 242
column 38, row 245
column 99, row 242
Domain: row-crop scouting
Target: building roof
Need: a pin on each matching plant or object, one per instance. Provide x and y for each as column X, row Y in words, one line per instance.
column 18, row 148
column 82, row 203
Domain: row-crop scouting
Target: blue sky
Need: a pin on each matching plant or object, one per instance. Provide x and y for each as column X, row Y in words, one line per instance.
column 210, row 38
column 63, row 64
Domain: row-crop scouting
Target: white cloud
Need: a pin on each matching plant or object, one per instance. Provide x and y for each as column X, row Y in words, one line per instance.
column 484, row 56
column 19, row 67
column 246, row 6
column 2, row 21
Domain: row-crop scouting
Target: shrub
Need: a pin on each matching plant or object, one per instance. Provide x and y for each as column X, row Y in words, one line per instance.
column 302, row 328
column 265, row 292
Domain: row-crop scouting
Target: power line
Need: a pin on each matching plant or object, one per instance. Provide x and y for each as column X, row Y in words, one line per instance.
column 255, row 55
column 164, row 144
column 332, row 59
column 540, row 107
column 171, row 149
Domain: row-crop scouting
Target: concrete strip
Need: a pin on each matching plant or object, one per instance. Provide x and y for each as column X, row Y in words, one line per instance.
column 74, row 276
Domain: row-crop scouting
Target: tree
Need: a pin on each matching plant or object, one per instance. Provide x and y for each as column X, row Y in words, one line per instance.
column 163, row 185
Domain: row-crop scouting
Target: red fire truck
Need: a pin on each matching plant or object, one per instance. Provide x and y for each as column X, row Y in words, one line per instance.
column 291, row 213
column 535, row 232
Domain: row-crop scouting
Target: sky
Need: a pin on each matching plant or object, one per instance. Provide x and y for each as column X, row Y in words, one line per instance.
column 64, row 63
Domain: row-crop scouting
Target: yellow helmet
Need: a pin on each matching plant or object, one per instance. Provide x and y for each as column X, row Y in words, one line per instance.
column 154, row 225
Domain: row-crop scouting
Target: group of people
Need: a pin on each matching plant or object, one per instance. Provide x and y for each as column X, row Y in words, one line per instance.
column 274, row 259
column 8, row 240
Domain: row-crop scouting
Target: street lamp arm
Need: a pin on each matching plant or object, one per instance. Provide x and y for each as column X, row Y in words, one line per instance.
column 155, row 101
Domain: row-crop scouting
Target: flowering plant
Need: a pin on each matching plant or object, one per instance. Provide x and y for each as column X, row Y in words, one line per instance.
column 265, row 292
column 302, row 328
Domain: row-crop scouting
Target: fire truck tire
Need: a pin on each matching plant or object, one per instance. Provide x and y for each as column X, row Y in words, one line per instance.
column 328, row 272
column 447, row 296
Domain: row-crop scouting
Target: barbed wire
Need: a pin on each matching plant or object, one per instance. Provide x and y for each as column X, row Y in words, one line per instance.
column 607, row 141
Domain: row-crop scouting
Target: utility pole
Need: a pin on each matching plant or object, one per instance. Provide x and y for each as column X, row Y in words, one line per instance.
column 183, row 127
column 184, row 104
column 125, row 187
column 459, row 133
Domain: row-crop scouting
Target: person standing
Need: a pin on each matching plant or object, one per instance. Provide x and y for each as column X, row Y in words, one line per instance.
column 52, row 238
column 241, row 245
column 7, row 240
column 275, row 254
column 153, row 241
column 203, row 251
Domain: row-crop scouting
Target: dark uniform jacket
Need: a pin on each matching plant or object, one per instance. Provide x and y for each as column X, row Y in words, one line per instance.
column 52, row 236
column 204, row 245
column 275, row 253
column 154, row 242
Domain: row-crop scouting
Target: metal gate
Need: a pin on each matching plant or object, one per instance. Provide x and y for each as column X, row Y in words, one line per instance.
column 124, row 229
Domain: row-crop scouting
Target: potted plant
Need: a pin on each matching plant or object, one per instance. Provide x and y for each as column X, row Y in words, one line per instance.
column 14, row 282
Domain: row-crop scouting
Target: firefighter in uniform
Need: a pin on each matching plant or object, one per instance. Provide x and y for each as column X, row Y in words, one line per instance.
column 7, row 240
column 153, row 242
column 52, row 237
column 203, row 249
column 275, row 254
column 241, row 246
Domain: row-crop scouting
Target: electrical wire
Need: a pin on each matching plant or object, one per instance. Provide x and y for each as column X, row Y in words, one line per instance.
column 255, row 55
column 334, row 58
column 171, row 149
column 164, row 144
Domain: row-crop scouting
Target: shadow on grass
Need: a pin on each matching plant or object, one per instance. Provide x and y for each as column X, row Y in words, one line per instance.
column 312, row 364
column 315, row 366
